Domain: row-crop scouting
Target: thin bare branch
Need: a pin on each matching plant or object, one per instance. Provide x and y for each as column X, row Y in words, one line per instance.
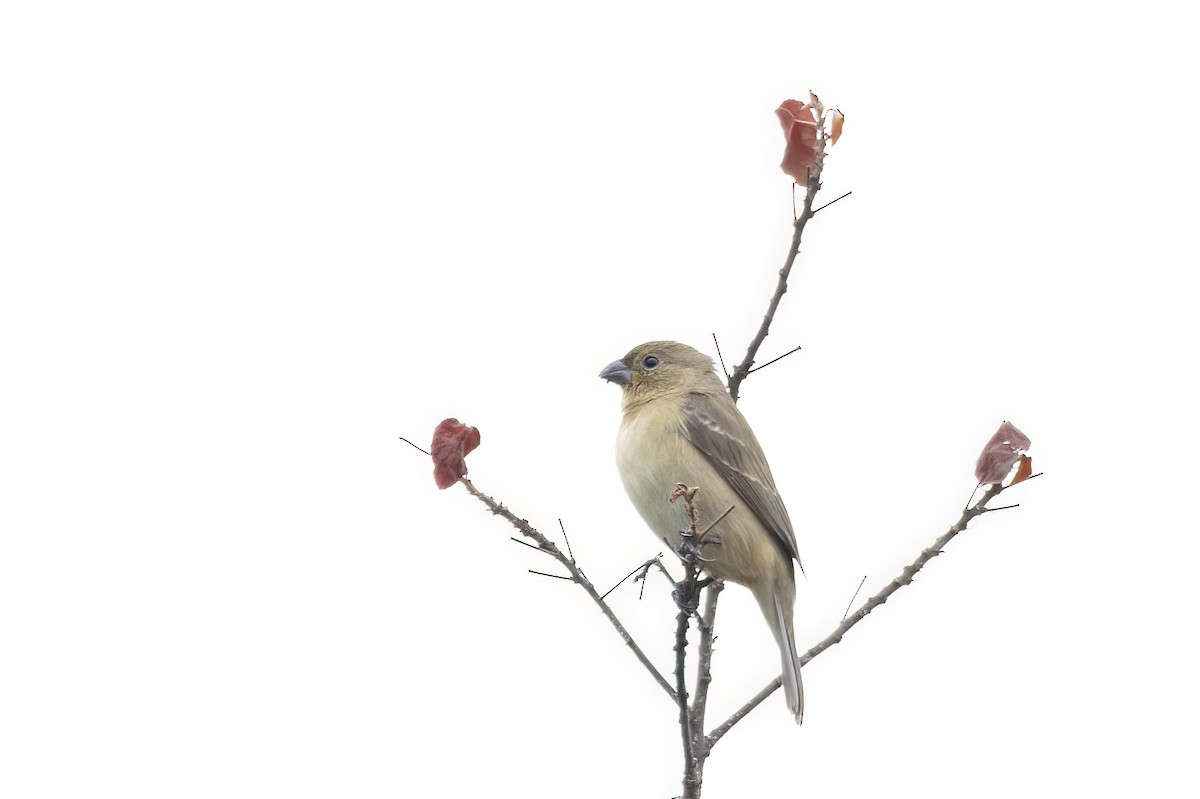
column 742, row 370
column 704, row 670
column 526, row 529
column 905, row 577
column 687, row 595
column 742, row 712
column 645, row 567
column 681, row 696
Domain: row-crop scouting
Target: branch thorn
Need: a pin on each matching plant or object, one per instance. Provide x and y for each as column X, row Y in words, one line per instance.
column 851, row 602
column 720, row 357
column 419, row 449
column 831, row 202
column 555, row 576
column 564, row 532
column 773, row 360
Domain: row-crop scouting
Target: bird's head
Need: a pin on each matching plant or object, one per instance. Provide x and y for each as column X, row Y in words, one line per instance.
column 660, row 368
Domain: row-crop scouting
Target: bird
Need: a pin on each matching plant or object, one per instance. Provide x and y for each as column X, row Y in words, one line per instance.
column 680, row 426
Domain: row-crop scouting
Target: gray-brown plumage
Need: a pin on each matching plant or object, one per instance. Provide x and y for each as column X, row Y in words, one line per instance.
column 680, row 426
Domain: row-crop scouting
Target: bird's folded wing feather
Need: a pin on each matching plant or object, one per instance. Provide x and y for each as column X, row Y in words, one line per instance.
column 728, row 443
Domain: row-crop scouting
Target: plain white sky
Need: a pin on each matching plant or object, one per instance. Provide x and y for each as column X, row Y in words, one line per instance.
column 245, row 246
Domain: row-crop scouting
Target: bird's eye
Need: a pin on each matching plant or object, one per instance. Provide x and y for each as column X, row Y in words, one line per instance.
column 650, row 362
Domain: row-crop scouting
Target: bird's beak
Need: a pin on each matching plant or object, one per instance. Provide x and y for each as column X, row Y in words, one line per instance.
column 617, row 372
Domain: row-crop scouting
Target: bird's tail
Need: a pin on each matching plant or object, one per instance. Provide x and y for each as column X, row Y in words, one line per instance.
column 793, row 687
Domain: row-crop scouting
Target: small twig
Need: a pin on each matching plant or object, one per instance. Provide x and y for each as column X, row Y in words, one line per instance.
column 695, row 554
column 645, row 567
column 1002, row 507
column 544, row 574
column 662, row 568
column 773, row 360
column 715, row 522
column 689, row 506
column 1010, row 485
column 720, row 357
column 527, row 544
column 831, row 202
column 567, row 540
column 414, row 446
column 972, row 497
column 861, row 583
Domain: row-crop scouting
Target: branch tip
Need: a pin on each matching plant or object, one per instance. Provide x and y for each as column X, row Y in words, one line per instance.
column 861, row 583
column 567, row 540
column 555, row 576
column 831, row 202
column 773, row 360
column 720, row 357
column 414, row 446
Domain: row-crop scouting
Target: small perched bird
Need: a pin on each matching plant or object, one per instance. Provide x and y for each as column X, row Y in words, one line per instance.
column 680, row 426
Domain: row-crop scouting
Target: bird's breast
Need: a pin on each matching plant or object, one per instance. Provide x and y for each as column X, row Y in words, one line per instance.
column 652, row 457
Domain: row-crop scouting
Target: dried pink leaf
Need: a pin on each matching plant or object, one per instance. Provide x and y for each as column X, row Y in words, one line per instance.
column 801, row 153
column 452, row 442
column 1001, row 452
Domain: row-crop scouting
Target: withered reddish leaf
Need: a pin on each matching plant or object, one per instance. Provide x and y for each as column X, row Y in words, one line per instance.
column 799, row 121
column 835, row 125
column 1000, row 454
column 452, row 441
column 1024, row 470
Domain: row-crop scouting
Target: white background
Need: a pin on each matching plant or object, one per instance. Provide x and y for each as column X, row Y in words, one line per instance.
column 246, row 246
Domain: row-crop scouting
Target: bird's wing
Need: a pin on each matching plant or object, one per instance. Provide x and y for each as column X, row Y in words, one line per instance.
column 719, row 431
